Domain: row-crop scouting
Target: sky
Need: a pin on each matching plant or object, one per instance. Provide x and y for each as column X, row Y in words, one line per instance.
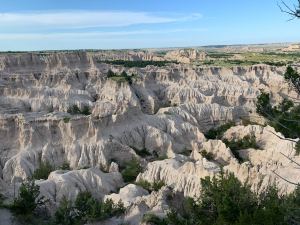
column 28, row 25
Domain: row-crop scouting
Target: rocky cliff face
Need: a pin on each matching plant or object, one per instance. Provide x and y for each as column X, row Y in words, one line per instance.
column 165, row 111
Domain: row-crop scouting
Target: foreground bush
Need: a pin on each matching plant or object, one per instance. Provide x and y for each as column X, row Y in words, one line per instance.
column 285, row 117
column 28, row 201
column 86, row 209
column 225, row 200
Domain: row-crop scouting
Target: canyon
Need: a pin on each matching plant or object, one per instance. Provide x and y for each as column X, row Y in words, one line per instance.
column 160, row 119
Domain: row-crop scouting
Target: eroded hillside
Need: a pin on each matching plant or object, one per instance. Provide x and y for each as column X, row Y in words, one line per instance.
column 64, row 109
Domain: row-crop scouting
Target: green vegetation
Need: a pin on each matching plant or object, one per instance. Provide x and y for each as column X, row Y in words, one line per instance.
column 141, row 152
column 46, row 168
column 120, row 78
column 74, row 110
column 67, row 119
column 28, row 201
column 86, row 110
column 168, row 113
column 132, row 170
column 86, row 209
column 150, row 218
column 65, row 166
column 217, row 133
column 1, row 201
column 249, row 141
column 285, row 117
column 140, row 64
column 156, row 186
column 225, row 200
column 297, row 148
column 43, row 171
column 293, row 77
column 186, row 152
column 250, row 58
column 207, row 155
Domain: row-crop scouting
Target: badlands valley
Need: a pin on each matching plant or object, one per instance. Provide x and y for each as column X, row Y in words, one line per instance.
column 135, row 132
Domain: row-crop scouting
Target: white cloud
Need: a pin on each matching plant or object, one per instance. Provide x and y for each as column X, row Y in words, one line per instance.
column 85, row 19
column 89, row 35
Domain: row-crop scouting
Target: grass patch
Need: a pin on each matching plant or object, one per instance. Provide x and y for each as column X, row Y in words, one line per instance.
column 250, row 58
column 120, row 78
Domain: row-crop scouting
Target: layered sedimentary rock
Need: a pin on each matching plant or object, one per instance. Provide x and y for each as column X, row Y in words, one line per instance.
column 164, row 111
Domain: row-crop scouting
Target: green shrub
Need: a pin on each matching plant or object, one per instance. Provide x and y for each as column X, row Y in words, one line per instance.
column 132, row 170
column 153, row 219
column 141, row 152
column 86, row 111
column 162, row 157
column 66, row 214
column 28, row 200
column 186, row 152
column 263, row 105
column 65, row 166
column 74, row 110
column 293, row 77
column 225, row 200
column 43, row 171
column 110, row 74
column 217, row 133
column 207, row 155
column 156, row 186
column 86, row 209
column 285, row 117
column 249, row 141
column 67, row 119
column 144, row 184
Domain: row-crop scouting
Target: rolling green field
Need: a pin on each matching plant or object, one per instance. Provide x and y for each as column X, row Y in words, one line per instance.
column 250, row 58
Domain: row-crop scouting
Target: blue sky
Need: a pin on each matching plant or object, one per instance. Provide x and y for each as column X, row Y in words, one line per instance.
column 115, row 24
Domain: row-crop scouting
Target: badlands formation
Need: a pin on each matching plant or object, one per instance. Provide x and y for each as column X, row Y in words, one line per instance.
column 164, row 111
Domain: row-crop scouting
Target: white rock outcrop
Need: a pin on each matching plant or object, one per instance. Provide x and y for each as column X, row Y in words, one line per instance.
column 162, row 113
